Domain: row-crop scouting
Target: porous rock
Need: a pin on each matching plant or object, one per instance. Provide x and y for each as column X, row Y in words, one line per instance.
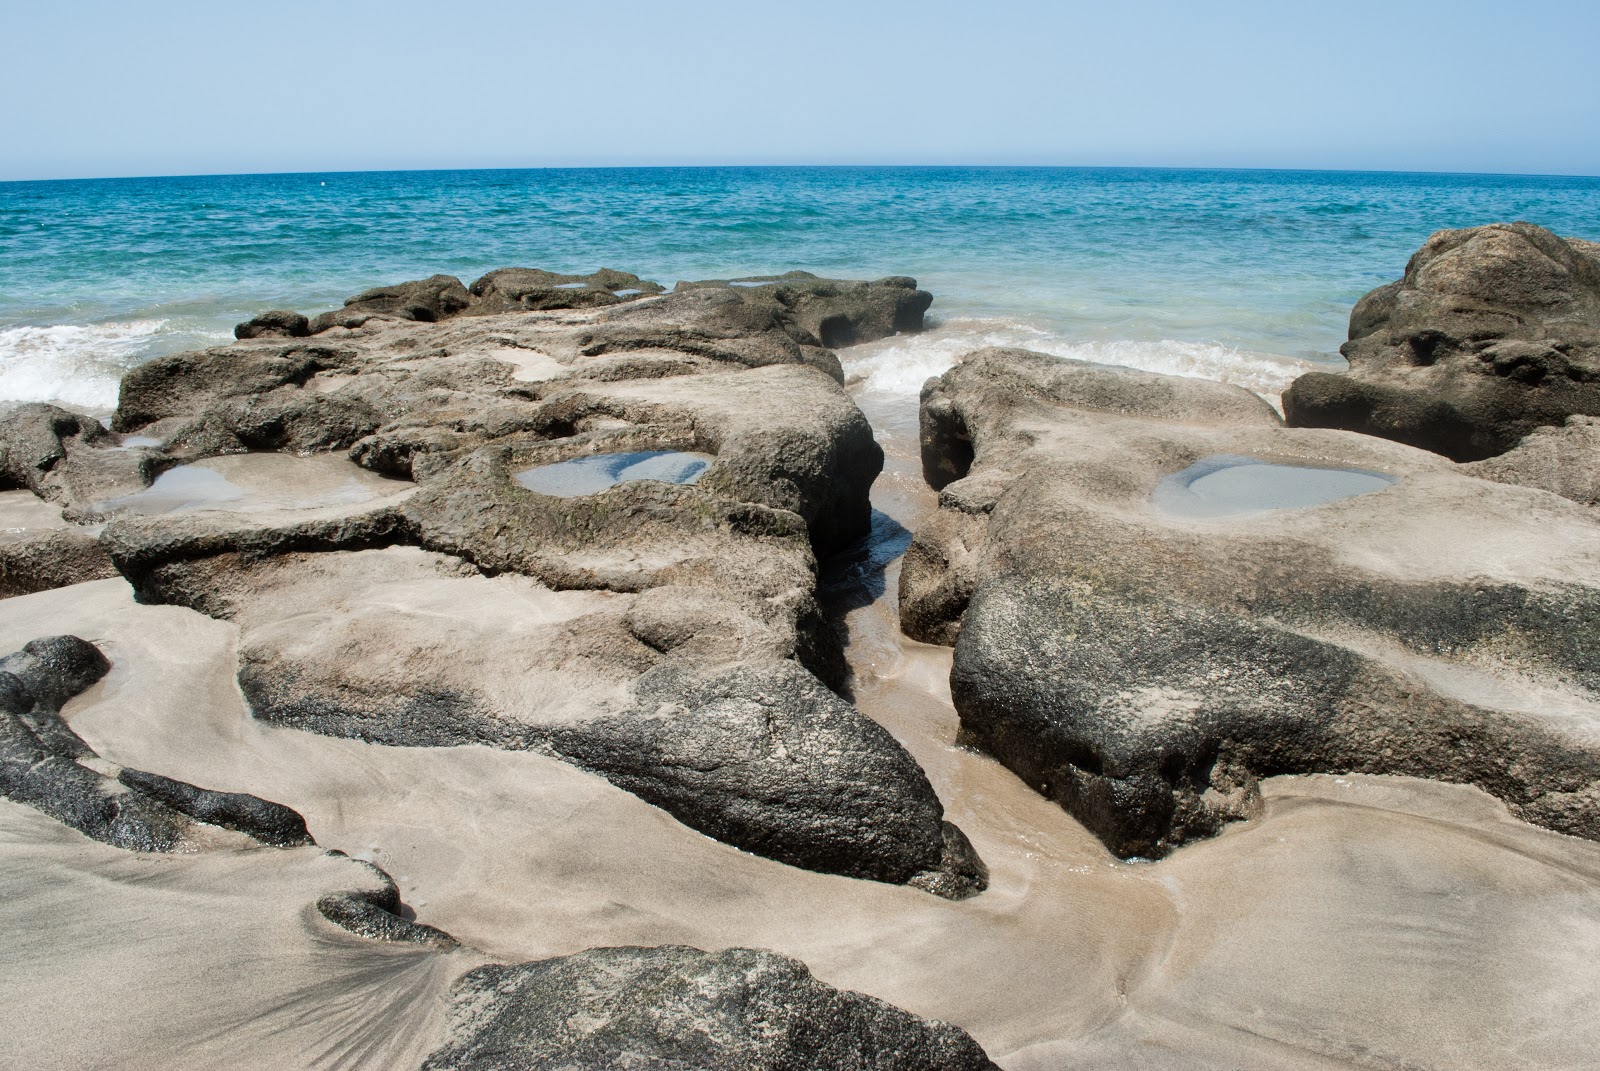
column 473, row 610
column 1146, row 668
column 533, row 289
column 1492, row 332
column 674, row 1008
column 429, row 300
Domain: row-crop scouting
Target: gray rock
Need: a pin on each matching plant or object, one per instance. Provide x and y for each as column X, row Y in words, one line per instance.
column 677, row 1008
column 1564, row 461
column 1145, row 667
column 519, row 619
column 1492, row 332
column 838, row 312
column 535, row 290
column 429, row 300
column 52, row 559
column 278, row 323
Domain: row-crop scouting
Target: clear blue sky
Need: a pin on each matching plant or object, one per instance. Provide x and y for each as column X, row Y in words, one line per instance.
column 164, row 88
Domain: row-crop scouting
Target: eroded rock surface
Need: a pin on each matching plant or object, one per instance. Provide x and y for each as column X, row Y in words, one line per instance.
column 665, row 635
column 656, row 1009
column 1144, row 667
column 1492, row 332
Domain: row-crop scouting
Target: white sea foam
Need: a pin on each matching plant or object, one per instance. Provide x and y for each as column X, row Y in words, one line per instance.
column 79, row 365
column 901, row 364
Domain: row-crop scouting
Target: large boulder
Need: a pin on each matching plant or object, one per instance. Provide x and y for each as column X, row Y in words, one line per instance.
column 1158, row 596
column 675, row 1008
column 838, row 312
column 1492, row 332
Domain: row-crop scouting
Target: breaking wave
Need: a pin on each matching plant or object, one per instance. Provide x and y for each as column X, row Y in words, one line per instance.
column 78, row 365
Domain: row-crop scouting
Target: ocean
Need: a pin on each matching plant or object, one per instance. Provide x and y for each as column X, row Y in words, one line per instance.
column 1246, row 276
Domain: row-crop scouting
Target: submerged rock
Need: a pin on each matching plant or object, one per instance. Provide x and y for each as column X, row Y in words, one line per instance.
column 1144, row 666
column 670, row 1008
column 1492, row 332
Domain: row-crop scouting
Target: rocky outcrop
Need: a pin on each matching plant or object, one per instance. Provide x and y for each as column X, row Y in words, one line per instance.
column 838, row 312
column 1143, row 658
column 665, row 636
column 47, row 766
column 1492, row 332
column 676, row 1007
column 276, row 323
column 535, row 290
column 429, row 300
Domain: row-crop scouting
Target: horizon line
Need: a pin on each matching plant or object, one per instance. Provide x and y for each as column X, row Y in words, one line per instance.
column 817, row 167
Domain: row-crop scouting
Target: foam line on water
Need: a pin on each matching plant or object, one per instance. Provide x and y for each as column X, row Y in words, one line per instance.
column 900, row 365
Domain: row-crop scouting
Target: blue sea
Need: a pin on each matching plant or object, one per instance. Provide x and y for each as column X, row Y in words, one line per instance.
column 1246, row 276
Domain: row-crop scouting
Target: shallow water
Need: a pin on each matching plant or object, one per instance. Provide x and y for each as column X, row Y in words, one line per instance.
column 255, row 483
column 1226, row 485
column 591, row 475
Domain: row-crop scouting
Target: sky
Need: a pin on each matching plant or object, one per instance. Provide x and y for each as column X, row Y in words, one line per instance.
column 168, row 88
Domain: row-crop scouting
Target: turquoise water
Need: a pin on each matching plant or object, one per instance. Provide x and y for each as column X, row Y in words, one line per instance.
column 1196, row 271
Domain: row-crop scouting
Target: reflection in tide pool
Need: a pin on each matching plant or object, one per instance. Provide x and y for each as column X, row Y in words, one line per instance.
column 591, row 475
column 1227, row 484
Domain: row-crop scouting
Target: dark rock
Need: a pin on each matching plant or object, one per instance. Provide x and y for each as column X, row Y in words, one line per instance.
column 66, row 457
column 265, row 821
column 837, row 312
column 672, row 1008
column 429, row 300
column 534, row 290
column 373, row 910
column 278, row 323
column 1146, row 668
column 1492, row 332
column 766, row 759
column 45, row 765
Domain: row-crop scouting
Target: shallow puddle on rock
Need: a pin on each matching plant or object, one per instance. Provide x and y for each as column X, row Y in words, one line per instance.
column 253, row 483
column 1225, row 485
column 591, row 475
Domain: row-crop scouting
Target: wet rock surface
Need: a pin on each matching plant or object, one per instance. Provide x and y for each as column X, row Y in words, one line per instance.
column 1145, row 669
column 675, row 1007
column 1492, row 332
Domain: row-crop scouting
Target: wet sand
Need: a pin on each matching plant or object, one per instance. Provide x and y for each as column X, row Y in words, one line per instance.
column 1362, row 922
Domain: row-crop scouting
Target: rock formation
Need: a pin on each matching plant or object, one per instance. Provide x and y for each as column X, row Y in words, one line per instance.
column 1492, row 332
column 665, row 636
column 1144, row 669
column 674, row 1007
